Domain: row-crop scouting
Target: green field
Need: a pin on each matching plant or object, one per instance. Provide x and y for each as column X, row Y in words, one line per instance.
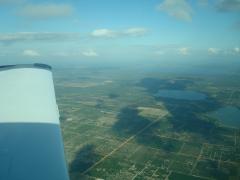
column 114, row 127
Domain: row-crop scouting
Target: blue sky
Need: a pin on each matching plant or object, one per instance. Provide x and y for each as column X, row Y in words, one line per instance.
column 119, row 29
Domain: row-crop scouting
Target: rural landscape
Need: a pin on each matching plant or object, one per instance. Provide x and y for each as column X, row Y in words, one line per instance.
column 145, row 89
column 146, row 123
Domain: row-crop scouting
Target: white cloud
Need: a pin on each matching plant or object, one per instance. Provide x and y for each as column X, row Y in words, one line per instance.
column 90, row 53
column 183, row 51
column 135, row 31
column 76, row 53
column 31, row 53
column 226, row 51
column 236, row 50
column 37, row 36
column 180, row 9
column 107, row 33
column 213, row 51
column 8, row 38
column 45, row 11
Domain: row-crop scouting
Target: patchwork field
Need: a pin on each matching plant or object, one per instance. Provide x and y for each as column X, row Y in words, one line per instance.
column 114, row 127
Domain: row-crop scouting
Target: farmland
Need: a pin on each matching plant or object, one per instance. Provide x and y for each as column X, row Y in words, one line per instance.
column 115, row 127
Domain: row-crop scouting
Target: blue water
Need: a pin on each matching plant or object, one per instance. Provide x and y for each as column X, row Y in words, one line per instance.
column 181, row 95
column 228, row 115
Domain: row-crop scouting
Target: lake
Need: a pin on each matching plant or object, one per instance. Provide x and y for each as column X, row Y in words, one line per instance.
column 228, row 115
column 181, row 95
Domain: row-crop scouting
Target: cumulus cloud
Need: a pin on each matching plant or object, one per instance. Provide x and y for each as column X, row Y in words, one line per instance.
column 8, row 38
column 46, row 11
column 90, row 53
column 179, row 9
column 135, row 31
column 213, row 51
column 104, row 33
column 232, row 51
column 225, row 51
column 37, row 36
column 107, row 33
column 236, row 50
column 228, row 5
column 30, row 53
column 183, row 51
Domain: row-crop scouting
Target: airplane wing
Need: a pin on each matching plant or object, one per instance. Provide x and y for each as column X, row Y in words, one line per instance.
column 31, row 146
